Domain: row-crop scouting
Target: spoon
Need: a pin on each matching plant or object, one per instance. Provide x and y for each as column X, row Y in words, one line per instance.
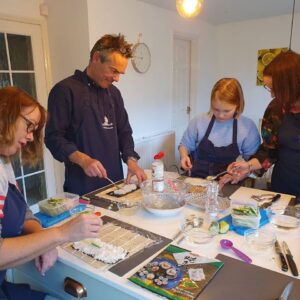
column 210, row 178
column 227, row 244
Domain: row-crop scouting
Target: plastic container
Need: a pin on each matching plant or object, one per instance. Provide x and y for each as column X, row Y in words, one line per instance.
column 158, row 172
column 58, row 204
column 284, row 217
column 245, row 213
column 212, row 205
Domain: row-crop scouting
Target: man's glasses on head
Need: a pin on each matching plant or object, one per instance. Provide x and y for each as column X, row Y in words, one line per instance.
column 30, row 125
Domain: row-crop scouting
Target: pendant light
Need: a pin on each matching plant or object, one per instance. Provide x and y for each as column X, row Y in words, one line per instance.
column 292, row 25
column 189, row 8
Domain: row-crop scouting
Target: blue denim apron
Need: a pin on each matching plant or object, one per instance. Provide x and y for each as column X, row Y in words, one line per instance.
column 12, row 224
column 210, row 160
column 286, row 173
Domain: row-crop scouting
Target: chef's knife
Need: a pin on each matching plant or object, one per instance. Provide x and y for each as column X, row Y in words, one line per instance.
column 275, row 198
column 284, row 266
column 286, row 292
column 290, row 259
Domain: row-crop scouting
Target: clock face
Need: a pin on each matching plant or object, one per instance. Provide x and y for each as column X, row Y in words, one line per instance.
column 141, row 60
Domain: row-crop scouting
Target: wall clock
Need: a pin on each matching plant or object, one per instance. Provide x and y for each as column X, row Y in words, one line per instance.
column 141, row 60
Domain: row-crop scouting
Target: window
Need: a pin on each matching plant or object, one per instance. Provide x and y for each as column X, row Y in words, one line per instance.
column 21, row 64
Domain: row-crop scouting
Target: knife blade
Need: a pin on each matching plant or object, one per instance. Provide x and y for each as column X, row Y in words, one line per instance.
column 274, row 199
column 286, row 292
column 290, row 259
column 284, row 266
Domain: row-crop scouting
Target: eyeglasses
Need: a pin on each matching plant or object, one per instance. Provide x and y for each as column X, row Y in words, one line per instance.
column 267, row 88
column 30, row 125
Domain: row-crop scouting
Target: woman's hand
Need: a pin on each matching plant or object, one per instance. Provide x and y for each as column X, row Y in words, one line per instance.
column 185, row 163
column 82, row 227
column 238, row 171
column 45, row 261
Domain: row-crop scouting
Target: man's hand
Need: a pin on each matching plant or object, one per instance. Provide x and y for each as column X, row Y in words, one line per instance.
column 134, row 169
column 45, row 261
column 93, row 168
column 90, row 166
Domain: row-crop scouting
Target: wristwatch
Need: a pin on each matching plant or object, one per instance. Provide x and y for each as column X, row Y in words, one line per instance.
column 132, row 158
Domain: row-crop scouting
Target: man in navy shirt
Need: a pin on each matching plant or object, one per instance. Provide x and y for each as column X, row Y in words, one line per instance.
column 88, row 127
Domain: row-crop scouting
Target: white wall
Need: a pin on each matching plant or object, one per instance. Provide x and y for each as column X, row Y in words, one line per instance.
column 238, row 44
column 68, row 36
column 20, row 8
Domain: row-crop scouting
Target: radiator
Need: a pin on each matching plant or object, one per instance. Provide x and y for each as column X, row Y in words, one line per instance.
column 147, row 147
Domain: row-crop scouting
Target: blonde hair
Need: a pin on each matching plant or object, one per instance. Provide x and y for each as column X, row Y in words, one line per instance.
column 12, row 101
column 229, row 90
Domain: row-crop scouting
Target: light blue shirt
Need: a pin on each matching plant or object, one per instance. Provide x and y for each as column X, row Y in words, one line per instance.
column 248, row 138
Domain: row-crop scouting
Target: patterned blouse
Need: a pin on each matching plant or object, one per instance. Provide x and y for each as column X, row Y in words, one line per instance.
column 268, row 150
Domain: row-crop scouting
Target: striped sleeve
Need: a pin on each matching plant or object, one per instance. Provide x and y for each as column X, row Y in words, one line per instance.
column 3, row 189
column 2, row 199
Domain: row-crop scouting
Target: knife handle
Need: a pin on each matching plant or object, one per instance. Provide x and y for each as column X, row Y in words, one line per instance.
column 284, row 266
column 276, row 197
column 292, row 264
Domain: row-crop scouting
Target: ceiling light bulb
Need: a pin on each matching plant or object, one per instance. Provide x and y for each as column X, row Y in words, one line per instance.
column 189, row 8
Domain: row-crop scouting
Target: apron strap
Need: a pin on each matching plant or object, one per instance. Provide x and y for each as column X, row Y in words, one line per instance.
column 234, row 131
column 211, row 124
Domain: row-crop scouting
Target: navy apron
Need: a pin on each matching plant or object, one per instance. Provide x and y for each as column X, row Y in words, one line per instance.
column 210, row 160
column 12, row 224
column 96, row 140
column 286, row 173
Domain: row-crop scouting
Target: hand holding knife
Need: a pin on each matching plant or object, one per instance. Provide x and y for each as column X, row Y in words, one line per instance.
column 284, row 265
column 290, row 259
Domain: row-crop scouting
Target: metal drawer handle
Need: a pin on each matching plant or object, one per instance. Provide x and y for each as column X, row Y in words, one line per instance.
column 74, row 288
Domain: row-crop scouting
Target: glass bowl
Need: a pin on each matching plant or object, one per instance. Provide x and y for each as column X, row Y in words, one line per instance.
column 195, row 230
column 166, row 203
column 128, row 208
column 260, row 239
column 284, row 217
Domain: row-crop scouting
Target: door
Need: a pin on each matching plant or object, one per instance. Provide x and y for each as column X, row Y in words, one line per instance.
column 181, row 89
column 22, row 64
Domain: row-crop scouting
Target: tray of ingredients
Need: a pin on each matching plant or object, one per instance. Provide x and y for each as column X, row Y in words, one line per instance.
column 112, row 197
column 177, row 273
column 120, row 246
